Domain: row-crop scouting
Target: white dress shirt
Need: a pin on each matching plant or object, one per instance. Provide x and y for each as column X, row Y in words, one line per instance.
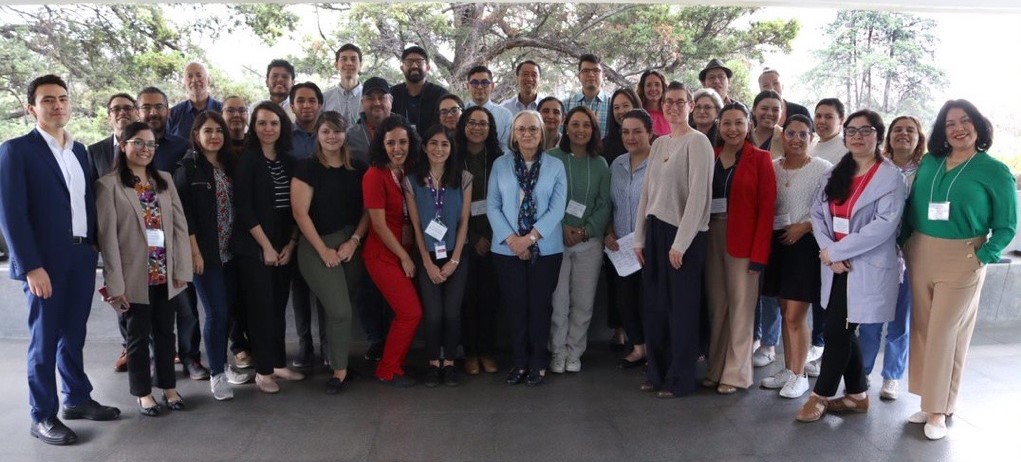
column 74, row 178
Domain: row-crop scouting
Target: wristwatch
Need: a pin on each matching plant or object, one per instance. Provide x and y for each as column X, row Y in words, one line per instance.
column 532, row 238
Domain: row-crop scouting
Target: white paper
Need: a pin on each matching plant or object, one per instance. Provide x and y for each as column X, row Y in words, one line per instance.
column 841, row 225
column 436, row 230
column 576, row 209
column 781, row 221
column 478, row 208
column 719, row 205
column 939, row 211
column 441, row 250
column 624, row 260
column 154, row 237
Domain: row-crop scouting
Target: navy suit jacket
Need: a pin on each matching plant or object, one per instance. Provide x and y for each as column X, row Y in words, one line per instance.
column 35, row 205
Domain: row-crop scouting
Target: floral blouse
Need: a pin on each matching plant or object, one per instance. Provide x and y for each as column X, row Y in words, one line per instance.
column 224, row 213
column 153, row 221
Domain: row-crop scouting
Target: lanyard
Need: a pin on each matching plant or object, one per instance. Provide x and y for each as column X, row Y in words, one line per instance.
column 588, row 177
column 855, row 195
column 437, row 195
column 932, row 189
column 730, row 172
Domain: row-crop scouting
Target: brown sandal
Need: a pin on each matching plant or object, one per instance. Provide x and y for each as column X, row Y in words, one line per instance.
column 813, row 409
column 849, row 404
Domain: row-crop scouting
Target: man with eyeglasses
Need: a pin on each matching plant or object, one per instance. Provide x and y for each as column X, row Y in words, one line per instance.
column 770, row 80
column 345, row 98
column 480, row 86
column 196, row 82
column 48, row 213
column 235, row 112
column 121, row 112
column 154, row 110
column 417, row 99
column 592, row 95
column 377, row 104
column 527, row 74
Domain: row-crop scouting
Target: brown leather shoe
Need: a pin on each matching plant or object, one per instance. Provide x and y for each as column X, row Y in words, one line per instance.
column 121, row 364
column 813, row 409
column 849, row 404
column 489, row 365
column 471, row 365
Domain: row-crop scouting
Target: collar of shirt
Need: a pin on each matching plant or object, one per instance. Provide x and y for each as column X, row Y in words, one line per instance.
column 301, row 131
column 356, row 91
column 54, row 144
column 600, row 97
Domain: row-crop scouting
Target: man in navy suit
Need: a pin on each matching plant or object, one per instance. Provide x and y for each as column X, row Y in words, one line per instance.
column 48, row 214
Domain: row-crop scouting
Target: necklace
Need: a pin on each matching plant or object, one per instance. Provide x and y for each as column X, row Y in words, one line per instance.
column 790, row 176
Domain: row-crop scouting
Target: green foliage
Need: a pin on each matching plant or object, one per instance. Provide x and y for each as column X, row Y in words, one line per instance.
column 268, row 21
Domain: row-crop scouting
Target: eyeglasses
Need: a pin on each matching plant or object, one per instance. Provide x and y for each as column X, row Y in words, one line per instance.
column 863, row 131
column 791, row 134
column 477, row 124
column 705, row 107
column 236, row 110
column 533, row 130
column 143, row 145
column 411, row 62
column 591, row 71
column 480, row 83
column 153, row 107
column 450, row 112
column 674, row 102
column 119, row 109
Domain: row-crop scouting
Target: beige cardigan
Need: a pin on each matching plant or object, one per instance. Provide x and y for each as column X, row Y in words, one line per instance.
column 123, row 244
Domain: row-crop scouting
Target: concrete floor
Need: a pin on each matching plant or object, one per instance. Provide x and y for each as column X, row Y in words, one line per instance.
column 595, row 415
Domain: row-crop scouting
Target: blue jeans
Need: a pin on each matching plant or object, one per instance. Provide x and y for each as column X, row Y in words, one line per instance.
column 818, row 325
column 767, row 321
column 897, row 337
column 217, row 287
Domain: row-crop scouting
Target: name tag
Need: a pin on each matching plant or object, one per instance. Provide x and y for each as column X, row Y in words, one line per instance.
column 478, row 208
column 441, row 250
column 781, row 221
column 576, row 209
column 719, row 205
column 841, row 225
column 939, row 211
column 436, row 229
column 154, row 238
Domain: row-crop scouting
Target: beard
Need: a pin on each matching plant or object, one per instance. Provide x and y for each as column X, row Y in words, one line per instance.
column 415, row 76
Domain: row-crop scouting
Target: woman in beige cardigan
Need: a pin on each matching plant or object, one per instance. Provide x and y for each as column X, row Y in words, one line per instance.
column 143, row 236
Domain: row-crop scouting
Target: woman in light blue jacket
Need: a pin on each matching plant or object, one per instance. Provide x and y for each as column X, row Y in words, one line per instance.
column 525, row 204
column 855, row 220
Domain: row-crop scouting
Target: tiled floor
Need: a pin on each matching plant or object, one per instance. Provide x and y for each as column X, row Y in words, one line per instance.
column 595, row 415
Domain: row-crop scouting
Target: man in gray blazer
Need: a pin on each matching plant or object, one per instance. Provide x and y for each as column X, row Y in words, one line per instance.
column 121, row 112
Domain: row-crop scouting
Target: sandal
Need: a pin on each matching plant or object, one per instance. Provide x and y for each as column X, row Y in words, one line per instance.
column 725, row 389
column 813, row 409
column 848, row 404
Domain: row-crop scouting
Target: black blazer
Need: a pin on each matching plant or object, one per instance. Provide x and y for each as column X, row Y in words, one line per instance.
column 429, row 106
column 253, row 204
column 101, row 158
column 196, row 186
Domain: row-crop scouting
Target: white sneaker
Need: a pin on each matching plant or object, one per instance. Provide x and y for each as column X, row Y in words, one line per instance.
column 919, row 417
column 814, row 353
column 778, row 380
column 763, row 356
column 890, row 389
column 812, row 368
column 235, row 377
column 558, row 363
column 573, row 365
column 935, row 432
column 795, row 387
column 220, row 388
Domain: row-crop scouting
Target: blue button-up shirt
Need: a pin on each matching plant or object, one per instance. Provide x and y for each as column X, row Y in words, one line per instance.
column 302, row 143
column 347, row 102
column 600, row 105
column 182, row 116
column 514, row 105
column 626, row 191
column 503, row 118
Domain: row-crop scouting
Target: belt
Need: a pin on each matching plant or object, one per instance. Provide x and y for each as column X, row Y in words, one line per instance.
column 79, row 240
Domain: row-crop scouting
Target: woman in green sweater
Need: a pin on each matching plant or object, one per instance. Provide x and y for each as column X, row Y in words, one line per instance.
column 588, row 212
column 960, row 216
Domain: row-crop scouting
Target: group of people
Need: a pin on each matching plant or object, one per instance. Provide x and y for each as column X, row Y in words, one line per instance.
column 408, row 203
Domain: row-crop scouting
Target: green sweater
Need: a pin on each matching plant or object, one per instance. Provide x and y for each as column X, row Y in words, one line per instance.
column 982, row 199
column 588, row 183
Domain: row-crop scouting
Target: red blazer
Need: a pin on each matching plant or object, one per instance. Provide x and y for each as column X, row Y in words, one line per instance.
column 752, row 206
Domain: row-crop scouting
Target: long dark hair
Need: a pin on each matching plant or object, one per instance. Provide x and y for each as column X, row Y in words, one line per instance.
column 283, row 143
column 838, row 188
column 452, row 168
column 225, row 155
column 613, row 146
column 377, row 150
column 128, row 178
column 938, row 145
column 641, row 88
column 594, row 145
column 492, row 143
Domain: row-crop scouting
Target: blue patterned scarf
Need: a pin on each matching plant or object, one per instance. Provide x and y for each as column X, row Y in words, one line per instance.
column 527, row 178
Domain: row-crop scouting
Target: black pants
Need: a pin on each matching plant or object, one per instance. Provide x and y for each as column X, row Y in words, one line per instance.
column 627, row 292
column 480, row 309
column 239, row 324
column 156, row 320
column 302, row 301
column 441, row 309
column 673, row 304
column 607, row 288
column 842, row 356
column 265, row 290
column 527, row 288
column 373, row 311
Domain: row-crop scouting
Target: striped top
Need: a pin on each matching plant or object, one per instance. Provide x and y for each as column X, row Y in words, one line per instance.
column 281, row 184
column 626, row 191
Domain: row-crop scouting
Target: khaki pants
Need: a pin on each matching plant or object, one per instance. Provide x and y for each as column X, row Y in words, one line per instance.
column 574, row 297
column 946, row 281
column 732, row 296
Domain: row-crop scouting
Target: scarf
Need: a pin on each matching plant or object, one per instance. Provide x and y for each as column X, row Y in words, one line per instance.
column 527, row 178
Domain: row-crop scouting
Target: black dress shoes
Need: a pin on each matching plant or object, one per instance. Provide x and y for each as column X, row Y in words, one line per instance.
column 53, row 431
column 90, row 410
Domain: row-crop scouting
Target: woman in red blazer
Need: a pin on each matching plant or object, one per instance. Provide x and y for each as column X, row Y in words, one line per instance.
column 740, row 232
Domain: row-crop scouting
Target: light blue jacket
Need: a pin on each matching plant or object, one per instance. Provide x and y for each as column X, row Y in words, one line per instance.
column 871, row 247
column 504, row 200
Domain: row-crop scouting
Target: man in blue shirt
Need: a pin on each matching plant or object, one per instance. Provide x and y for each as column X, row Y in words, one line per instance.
column 527, row 74
column 196, row 83
column 307, row 102
column 480, row 86
column 590, row 74
column 346, row 97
